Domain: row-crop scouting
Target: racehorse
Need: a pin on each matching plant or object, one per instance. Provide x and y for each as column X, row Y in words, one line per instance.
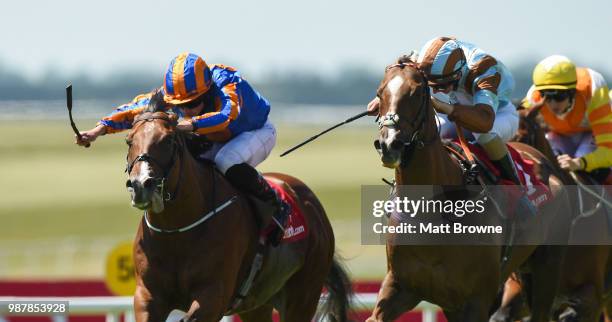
column 199, row 239
column 585, row 267
column 462, row 280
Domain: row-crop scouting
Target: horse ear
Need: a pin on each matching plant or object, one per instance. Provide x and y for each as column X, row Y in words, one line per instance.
column 157, row 103
column 173, row 118
column 403, row 59
column 407, row 59
column 534, row 111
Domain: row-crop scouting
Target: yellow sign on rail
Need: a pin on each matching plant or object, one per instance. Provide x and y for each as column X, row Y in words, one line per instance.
column 119, row 275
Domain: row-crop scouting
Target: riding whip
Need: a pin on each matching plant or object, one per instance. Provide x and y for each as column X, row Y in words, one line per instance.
column 69, row 106
column 349, row 120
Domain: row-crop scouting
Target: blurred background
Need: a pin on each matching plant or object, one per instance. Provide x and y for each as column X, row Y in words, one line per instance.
column 63, row 208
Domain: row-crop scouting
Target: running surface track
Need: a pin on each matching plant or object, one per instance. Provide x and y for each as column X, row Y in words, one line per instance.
column 98, row 288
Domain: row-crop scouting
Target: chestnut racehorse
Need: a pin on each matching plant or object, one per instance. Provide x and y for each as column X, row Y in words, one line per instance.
column 199, row 238
column 462, row 279
column 585, row 267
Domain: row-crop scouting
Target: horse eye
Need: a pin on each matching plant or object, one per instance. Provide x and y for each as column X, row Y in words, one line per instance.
column 128, row 141
column 167, row 141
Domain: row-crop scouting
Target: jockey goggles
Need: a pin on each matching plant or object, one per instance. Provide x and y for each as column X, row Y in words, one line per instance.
column 442, row 82
column 443, row 86
column 556, row 95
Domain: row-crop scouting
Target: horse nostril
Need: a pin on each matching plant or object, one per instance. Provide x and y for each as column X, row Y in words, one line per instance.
column 128, row 184
column 377, row 145
column 396, row 145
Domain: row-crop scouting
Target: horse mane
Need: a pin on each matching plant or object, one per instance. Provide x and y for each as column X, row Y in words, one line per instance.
column 156, row 103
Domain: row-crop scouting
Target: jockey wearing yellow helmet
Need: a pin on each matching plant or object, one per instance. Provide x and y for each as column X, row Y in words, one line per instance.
column 215, row 102
column 472, row 89
column 576, row 107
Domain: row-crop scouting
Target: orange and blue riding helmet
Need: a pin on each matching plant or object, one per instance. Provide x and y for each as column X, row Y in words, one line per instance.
column 187, row 78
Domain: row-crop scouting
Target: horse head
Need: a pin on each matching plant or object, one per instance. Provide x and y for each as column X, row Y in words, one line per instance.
column 404, row 106
column 529, row 126
column 154, row 146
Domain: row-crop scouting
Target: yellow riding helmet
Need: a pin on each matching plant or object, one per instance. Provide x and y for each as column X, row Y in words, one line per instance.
column 555, row 72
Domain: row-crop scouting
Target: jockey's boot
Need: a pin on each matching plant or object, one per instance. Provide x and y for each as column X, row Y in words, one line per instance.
column 250, row 181
column 500, row 156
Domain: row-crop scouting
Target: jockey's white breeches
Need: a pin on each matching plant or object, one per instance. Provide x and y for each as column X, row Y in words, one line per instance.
column 251, row 147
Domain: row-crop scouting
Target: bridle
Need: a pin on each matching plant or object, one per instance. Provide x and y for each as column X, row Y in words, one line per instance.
column 392, row 120
column 178, row 142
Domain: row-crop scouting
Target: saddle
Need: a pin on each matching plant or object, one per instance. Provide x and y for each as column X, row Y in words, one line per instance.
column 481, row 168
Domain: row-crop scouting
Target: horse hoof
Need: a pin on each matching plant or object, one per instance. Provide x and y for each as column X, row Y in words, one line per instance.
column 569, row 315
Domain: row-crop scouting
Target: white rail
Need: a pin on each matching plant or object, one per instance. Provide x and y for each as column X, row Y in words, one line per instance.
column 114, row 307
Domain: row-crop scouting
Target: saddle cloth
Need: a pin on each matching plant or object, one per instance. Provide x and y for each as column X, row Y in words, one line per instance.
column 537, row 192
column 295, row 228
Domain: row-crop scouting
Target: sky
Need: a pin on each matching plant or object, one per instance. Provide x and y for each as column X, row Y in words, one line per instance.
column 265, row 37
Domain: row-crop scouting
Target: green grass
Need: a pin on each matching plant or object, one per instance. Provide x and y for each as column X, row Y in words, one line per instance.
column 68, row 204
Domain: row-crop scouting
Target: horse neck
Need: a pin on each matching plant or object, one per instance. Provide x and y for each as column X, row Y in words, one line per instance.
column 431, row 164
column 542, row 144
column 194, row 183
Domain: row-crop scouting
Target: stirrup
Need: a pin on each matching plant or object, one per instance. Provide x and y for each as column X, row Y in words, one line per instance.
column 280, row 217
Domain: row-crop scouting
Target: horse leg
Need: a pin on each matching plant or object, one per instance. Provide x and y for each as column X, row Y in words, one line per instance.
column 586, row 307
column 300, row 307
column 513, row 304
column 260, row 314
column 546, row 270
column 392, row 300
column 299, row 298
column 452, row 316
column 198, row 313
column 511, row 297
column 147, row 309
column 475, row 310
column 208, row 305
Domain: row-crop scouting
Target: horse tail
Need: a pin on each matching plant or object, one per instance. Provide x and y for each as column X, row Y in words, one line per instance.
column 336, row 305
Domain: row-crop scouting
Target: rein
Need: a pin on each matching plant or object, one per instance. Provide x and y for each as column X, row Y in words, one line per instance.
column 204, row 218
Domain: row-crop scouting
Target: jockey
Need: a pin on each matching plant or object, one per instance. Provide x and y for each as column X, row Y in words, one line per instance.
column 472, row 89
column 576, row 107
column 217, row 103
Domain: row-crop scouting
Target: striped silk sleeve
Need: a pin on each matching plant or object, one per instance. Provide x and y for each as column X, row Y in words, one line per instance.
column 485, row 89
column 218, row 121
column 123, row 116
column 599, row 114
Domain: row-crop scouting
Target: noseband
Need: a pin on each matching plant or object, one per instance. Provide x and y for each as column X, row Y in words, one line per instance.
column 392, row 120
column 145, row 157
